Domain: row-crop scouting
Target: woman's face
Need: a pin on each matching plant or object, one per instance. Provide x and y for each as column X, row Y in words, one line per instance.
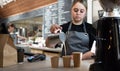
column 11, row 29
column 78, row 12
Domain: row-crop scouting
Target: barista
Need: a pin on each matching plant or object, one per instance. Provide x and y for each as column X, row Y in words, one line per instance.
column 80, row 35
column 11, row 29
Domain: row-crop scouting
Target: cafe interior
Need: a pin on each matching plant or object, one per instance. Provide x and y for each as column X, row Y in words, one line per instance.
column 41, row 50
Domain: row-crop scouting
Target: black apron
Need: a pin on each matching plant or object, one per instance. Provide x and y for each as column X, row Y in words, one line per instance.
column 76, row 41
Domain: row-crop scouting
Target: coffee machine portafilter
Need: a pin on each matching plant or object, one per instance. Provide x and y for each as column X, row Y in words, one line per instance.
column 108, row 38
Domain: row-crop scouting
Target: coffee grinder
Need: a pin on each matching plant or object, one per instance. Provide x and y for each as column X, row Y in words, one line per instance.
column 108, row 38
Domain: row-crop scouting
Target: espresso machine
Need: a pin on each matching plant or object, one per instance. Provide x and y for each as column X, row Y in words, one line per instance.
column 107, row 56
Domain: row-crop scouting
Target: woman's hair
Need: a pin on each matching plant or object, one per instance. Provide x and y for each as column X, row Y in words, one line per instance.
column 84, row 2
column 11, row 25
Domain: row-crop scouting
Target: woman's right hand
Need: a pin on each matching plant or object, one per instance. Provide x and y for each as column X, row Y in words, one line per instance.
column 55, row 28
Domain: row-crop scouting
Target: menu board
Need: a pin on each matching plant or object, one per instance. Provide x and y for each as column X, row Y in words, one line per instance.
column 58, row 13
column 50, row 16
column 64, row 7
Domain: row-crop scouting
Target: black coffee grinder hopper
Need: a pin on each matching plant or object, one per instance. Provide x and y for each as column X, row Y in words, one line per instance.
column 108, row 38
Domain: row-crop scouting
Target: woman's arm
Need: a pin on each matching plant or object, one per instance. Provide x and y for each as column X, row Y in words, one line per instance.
column 90, row 53
column 87, row 55
column 21, row 37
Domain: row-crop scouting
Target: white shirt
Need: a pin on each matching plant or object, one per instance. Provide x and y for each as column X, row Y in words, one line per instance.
column 93, row 49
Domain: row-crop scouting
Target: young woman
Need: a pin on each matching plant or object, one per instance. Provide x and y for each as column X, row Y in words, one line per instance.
column 79, row 34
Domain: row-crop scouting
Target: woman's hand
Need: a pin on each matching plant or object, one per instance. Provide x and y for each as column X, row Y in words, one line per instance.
column 87, row 55
column 55, row 28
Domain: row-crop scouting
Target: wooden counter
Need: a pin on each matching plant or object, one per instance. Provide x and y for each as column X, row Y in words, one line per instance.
column 46, row 66
column 45, row 50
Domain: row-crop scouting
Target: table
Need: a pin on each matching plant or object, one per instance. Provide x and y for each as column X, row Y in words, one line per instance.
column 46, row 66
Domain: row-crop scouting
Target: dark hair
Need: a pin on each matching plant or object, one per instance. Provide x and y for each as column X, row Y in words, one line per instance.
column 10, row 25
column 84, row 2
